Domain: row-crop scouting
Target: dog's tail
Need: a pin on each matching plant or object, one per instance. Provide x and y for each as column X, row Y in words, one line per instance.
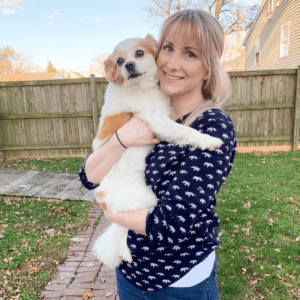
column 111, row 246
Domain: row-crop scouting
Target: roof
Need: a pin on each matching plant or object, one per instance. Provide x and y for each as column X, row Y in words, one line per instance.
column 256, row 17
column 78, row 74
column 30, row 76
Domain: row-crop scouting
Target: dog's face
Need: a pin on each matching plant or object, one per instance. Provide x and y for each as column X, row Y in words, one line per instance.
column 132, row 60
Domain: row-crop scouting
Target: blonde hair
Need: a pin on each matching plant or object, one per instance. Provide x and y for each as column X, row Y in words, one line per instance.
column 210, row 35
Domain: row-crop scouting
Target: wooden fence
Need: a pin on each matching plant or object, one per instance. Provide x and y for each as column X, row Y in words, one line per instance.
column 60, row 117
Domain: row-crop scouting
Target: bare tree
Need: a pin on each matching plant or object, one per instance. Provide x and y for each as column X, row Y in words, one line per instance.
column 234, row 15
column 96, row 64
column 15, row 62
column 164, row 8
column 232, row 49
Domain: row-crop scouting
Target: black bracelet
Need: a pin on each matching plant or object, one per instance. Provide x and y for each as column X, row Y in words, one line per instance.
column 119, row 140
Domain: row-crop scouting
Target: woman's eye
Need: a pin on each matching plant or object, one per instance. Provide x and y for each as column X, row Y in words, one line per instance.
column 190, row 54
column 168, row 48
column 120, row 61
column 139, row 53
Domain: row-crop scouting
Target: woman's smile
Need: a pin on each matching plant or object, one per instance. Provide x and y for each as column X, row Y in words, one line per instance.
column 172, row 77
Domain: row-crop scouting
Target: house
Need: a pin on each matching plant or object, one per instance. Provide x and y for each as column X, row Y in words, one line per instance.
column 273, row 41
column 30, row 76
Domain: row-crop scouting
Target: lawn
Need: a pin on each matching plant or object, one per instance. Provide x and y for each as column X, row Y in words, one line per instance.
column 35, row 233
column 259, row 251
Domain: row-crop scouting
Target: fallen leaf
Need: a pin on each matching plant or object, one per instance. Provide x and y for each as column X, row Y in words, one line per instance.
column 90, row 265
column 77, row 240
column 87, row 295
column 247, row 205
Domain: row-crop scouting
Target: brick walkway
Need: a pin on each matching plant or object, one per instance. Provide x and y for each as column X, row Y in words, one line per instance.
column 81, row 272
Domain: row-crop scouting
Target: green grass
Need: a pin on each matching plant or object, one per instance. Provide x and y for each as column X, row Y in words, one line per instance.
column 35, row 233
column 259, row 251
column 68, row 165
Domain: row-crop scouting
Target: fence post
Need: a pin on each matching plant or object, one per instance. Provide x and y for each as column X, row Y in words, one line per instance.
column 297, row 112
column 94, row 104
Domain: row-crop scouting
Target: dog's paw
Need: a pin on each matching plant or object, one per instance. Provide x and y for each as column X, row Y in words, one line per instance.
column 214, row 143
column 209, row 142
column 127, row 258
column 126, row 254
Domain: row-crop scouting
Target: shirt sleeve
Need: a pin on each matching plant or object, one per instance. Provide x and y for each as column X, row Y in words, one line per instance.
column 82, row 176
column 191, row 191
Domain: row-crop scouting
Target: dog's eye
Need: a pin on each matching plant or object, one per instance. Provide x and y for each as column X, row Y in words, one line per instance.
column 139, row 53
column 120, row 61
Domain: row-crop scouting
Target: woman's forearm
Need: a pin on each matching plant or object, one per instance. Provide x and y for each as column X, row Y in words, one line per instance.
column 134, row 220
column 101, row 161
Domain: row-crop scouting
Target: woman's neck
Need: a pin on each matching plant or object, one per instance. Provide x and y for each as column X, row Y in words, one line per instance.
column 184, row 105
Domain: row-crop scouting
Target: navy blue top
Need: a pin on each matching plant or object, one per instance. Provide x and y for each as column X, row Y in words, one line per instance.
column 182, row 228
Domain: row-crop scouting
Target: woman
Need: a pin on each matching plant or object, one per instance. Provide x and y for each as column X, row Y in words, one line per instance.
column 173, row 243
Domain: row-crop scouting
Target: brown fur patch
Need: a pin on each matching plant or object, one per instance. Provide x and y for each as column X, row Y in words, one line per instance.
column 112, row 123
column 112, row 71
column 101, row 194
column 149, row 44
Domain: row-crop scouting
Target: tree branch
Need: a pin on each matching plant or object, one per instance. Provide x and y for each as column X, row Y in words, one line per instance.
column 161, row 7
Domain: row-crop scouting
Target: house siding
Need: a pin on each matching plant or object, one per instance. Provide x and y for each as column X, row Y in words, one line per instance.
column 269, row 32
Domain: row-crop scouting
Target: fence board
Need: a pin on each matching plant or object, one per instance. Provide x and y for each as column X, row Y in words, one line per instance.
column 60, row 117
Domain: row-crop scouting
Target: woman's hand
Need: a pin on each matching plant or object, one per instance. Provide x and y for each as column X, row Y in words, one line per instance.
column 136, row 133
column 134, row 220
column 107, row 214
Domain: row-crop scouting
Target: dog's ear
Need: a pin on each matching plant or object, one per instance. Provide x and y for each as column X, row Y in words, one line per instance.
column 112, row 72
column 152, row 41
column 151, row 44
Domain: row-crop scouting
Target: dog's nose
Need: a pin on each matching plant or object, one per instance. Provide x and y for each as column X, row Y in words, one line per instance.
column 130, row 66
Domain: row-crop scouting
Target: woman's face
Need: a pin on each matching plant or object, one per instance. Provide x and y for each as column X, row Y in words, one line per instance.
column 180, row 66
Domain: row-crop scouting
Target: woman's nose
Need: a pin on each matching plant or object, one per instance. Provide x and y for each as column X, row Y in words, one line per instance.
column 173, row 62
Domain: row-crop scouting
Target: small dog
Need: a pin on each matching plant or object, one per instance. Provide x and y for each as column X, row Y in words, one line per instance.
column 133, row 88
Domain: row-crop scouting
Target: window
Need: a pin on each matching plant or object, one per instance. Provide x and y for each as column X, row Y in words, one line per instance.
column 257, row 50
column 270, row 6
column 284, row 40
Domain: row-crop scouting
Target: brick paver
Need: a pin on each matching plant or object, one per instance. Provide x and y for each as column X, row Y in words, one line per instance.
column 81, row 272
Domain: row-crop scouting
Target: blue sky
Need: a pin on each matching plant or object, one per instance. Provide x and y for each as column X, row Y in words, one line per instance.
column 71, row 32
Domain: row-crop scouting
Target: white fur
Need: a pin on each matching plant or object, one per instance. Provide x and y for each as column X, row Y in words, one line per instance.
column 124, row 185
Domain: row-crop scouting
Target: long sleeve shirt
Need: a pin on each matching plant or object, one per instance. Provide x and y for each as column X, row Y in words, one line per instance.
column 182, row 228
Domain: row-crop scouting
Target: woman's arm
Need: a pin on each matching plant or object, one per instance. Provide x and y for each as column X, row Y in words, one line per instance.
column 134, row 133
column 101, row 161
column 133, row 220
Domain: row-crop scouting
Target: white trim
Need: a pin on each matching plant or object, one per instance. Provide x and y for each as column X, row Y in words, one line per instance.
column 287, row 40
column 270, row 6
column 257, row 43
